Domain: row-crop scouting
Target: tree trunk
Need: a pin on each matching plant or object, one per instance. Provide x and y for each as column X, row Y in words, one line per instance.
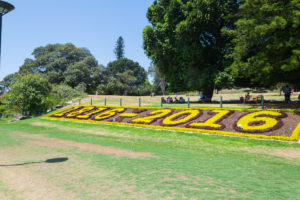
column 208, row 93
column 163, row 86
column 125, row 92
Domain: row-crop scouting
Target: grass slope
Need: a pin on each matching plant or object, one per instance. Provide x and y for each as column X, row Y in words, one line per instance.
column 183, row 166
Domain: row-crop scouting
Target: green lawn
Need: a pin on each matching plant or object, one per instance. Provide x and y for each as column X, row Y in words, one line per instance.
column 104, row 163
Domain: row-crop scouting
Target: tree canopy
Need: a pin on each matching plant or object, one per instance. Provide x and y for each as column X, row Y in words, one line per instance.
column 66, row 63
column 266, row 45
column 122, row 76
column 122, row 65
column 185, row 41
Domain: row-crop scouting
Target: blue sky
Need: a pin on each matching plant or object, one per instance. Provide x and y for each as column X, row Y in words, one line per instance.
column 94, row 24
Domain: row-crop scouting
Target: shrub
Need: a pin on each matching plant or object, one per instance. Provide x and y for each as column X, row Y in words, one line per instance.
column 29, row 93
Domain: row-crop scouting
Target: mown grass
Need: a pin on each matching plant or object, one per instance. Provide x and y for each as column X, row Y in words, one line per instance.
column 147, row 101
column 185, row 165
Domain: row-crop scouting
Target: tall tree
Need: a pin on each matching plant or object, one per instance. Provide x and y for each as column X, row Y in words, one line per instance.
column 64, row 63
column 185, row 41
column 120, row 48
column 266, row 45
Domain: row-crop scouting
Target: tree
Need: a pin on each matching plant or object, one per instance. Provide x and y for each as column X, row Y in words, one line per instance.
column 118, row 85
column 63, row 63
column 185, row 41
column 223, row 80
column 29, row 93
column 266, row 42
column 126, row 81
column 122, row 65
column 112, row 86
column 8, row 81
column 142, row 89
column 119, row 48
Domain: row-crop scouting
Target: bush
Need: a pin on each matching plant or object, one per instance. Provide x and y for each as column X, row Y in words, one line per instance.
column 29, row 93
column 60, row 94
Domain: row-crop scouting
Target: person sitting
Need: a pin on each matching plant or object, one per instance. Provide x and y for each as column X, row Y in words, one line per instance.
column 176, row 100
column 163, row 100
column 169, row 100
column 181, row 100
column 201, row 96
column 247, row 97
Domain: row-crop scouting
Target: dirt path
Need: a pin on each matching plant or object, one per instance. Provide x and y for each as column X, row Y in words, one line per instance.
column 66, row 144
column 24, row 175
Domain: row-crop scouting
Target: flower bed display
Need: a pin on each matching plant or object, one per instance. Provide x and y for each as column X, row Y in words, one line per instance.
column 267, row 124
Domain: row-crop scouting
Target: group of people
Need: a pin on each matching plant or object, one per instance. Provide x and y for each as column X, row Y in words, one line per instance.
column 170, row 100
column 287, row 95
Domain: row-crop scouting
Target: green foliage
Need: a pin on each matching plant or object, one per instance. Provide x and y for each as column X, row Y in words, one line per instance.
column 65, row 64
column 61, row 94
column 2, row 109
column 185, row 42
column 29, row 93
column 122, row 77
column 119, row 48
column 80, row 88
column 112, row 86
column 223, row 80
column 2, row 89
column 266, row 45
column 7, row 82
column 126, row 80
column 123, row 64
column 142, row 89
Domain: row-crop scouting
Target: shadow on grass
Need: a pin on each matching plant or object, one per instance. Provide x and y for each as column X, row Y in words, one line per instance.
column 52, row 160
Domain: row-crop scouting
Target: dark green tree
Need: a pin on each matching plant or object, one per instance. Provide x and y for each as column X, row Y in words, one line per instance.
column 223, row 80
column 64, row 64
column 266, row 45
column 127, row 80
column 120, row 48
column 185, row 41
column 122, row 65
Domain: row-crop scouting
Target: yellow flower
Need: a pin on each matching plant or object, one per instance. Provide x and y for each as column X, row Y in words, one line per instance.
column 172, row 120
column 154, row 115
column 261, row 120
column 128, row 114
